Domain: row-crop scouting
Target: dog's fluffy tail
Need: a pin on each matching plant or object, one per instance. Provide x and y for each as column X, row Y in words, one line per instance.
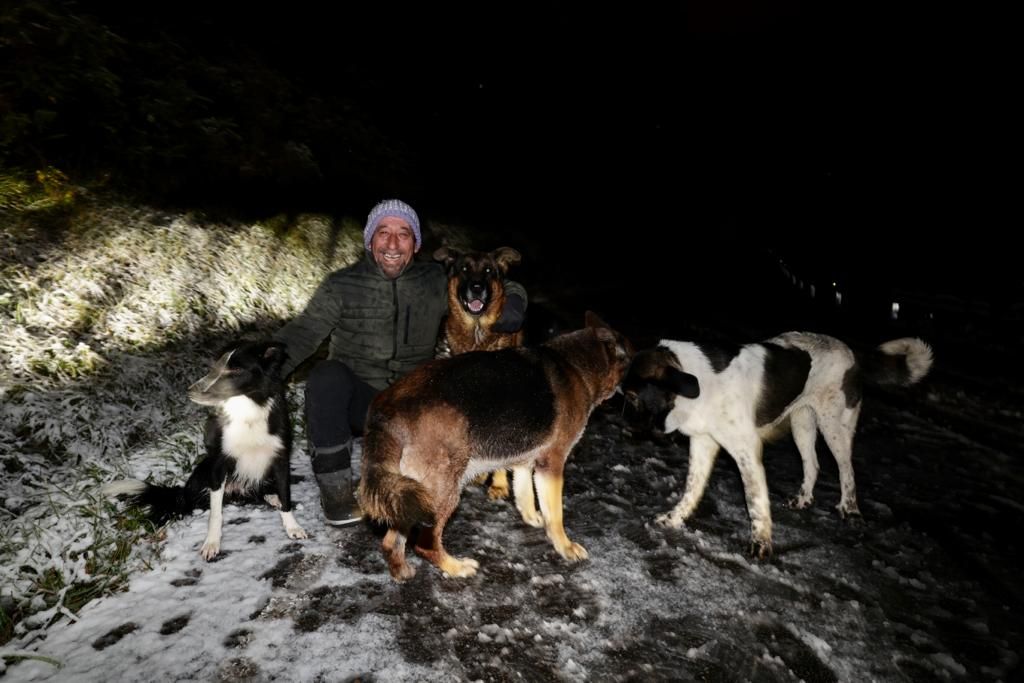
column 394, row 499
column 900, row 362
column 162, row 503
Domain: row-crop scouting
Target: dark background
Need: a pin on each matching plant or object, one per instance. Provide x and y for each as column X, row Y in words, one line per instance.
column 682, row 155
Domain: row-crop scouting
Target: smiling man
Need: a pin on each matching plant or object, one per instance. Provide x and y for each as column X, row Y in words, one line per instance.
column 382, row 316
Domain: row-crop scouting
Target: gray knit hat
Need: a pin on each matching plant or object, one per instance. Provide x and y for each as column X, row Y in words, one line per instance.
column 391, row 207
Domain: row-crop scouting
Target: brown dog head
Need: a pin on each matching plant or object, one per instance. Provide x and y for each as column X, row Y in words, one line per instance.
column 618, row 348
column 478, row 277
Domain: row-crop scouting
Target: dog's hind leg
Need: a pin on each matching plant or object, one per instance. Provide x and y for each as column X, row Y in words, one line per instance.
column 444, row 493
column 703, row 451
column 393, row 546
column 522, row 486
column 211, row 547
column 838, row 429
column 805, row 434
column 458, row 567
column 550, row 481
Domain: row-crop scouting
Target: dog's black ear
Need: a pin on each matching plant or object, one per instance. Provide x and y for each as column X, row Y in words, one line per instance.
column 506, row 257
column 682, row 383
column 446, row 256
column 226, row 348
column 273, row 356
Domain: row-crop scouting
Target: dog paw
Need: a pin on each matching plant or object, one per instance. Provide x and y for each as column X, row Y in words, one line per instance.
column 799, row 502
column 296, row 532
column 668, row 521
column 574, row 552
column 849, row 511
column 497, row 492
column 762, row 549
column 210, row 550
column 460, row 568
column 403, row 573
column 273, row 501
column 534, row 519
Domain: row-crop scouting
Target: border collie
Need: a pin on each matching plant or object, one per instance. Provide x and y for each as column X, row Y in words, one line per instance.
column 248, row 442
column 736, row 398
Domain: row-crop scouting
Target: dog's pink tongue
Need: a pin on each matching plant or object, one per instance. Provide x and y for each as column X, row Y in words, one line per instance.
column 476, row 305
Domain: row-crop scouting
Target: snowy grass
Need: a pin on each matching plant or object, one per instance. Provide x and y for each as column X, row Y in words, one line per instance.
column 106, row 316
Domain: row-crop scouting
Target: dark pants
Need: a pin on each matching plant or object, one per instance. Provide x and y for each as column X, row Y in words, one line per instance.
column 336, row 406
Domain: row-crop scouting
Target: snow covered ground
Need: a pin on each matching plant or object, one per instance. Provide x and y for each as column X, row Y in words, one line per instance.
column 926, row 587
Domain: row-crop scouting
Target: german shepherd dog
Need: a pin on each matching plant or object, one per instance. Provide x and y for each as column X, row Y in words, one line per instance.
column 248, row 442
column 451, row 419
column 738, row 397
column 476, row 297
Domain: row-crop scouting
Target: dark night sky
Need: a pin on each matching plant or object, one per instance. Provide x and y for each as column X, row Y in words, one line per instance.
column 867, row 129
column 838, row 136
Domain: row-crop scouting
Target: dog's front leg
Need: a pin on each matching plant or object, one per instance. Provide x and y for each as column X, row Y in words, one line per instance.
column 549, row 492
column 212, row 544
column 703, row 451
column 522, row 486
column 284, row 495
column 755, row 487
column 498, row 489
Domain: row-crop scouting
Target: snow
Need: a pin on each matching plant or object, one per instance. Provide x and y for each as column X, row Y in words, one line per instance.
column 889, row 598
column 925, row 587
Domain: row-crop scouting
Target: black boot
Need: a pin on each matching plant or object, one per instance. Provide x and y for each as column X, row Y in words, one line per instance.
column 337, row 498
column 337, row 487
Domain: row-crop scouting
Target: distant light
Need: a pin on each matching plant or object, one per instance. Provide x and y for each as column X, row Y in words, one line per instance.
column 833, row 284
column 895, row 310
column 812, row 291
column 839, row 298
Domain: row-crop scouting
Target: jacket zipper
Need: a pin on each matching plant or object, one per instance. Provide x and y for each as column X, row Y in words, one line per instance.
column 408, row 314
column 394, row 336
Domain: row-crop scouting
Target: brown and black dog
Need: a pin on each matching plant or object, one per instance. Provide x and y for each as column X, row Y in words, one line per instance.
column 476, row 297
column 450, row 419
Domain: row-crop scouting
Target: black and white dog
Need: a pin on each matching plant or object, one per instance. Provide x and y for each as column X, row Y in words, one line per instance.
column 736, row 398
column 248, row 442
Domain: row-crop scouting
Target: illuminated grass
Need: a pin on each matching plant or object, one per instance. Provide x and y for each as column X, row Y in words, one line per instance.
column 103, row 326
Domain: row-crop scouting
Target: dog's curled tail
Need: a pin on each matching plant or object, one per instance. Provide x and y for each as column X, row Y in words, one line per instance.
column 163, row 503
column 900, row 362
column 394, row 499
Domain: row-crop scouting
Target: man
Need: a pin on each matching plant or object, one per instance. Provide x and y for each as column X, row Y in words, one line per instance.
column 382, row 315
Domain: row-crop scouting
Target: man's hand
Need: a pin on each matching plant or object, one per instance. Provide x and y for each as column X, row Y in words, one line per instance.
column 512, row 314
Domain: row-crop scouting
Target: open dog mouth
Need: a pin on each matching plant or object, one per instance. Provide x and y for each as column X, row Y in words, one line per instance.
column 474, row 306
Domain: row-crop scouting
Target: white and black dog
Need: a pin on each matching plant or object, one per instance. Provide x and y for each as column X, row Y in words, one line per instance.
column 736, row 398
column 248, row 443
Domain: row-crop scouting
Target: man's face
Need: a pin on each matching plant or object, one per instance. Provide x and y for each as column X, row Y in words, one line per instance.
column 393, row 245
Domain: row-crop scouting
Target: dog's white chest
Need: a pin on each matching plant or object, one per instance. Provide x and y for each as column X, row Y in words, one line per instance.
column 246, row 438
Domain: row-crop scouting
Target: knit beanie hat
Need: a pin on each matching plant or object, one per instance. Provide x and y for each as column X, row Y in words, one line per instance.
column 391, row 207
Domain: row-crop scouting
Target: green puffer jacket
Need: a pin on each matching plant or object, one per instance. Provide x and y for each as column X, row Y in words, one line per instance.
column 379, row 327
